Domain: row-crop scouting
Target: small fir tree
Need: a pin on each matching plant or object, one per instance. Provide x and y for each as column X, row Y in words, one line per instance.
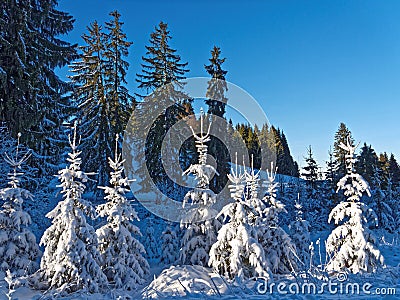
column 18, row 247
column 280, row 251
column 299, row 230
column 199, row 225
column 71, row 261
column 237, row 252
column 311, row 169
column 150, row 241
column 351, row 245
column 122, row 254
column 170, row 246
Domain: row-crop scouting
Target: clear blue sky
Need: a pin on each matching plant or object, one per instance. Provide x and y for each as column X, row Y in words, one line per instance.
column 310, row 64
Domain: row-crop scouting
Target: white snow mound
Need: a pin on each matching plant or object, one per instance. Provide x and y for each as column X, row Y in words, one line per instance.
column 185, row 281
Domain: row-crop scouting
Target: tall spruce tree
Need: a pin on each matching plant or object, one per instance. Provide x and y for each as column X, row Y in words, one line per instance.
column 115, row 68
column 161, row 66
column 31, row 94
column 216, row 102
column 341, row 136
column 103, row 101
column 217, row 86
column 90, row 97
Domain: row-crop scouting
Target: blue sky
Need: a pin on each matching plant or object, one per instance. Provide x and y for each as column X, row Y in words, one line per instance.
column 310, row 64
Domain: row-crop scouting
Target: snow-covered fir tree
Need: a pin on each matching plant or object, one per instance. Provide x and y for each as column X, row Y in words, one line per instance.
column 170, row 246
column 18, row 247
column 237, row 252
column 351, row 245
column 71, row 260
column 200, row 226
column 149, row 240
column 252, row 180
column 299, row 231
column 280, row 251
column 6, row 146
column 122, row 254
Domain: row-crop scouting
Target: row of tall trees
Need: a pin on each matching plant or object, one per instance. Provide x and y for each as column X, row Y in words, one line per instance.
column 276, row 146
column 37, row 103
column 380, row 170
column 102, row 100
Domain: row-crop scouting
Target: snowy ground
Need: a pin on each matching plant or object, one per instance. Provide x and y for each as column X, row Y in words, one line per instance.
column 195, row 282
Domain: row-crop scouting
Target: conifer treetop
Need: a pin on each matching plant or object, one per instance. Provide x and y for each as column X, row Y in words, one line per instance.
column 201, row 140
column 236, row 177
column 16, row 163
column 252, row 180
column 352, row 183
column 117, row 181
column 271, row 184
column 202, row 170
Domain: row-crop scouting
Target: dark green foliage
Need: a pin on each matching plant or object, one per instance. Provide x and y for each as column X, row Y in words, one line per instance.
column 216, row 102
column 311, row 169
column 161, row 66
column 31, row 94
column 103, row 101
column 367, row 161
column 115, row 68
column 394, row 172
column 390, row 171
column 339, row 154
column 331, row 177
column 217, row 86
column 89, row 94
column 275, row 145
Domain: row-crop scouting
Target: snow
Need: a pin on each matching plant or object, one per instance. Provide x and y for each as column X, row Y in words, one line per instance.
column 185, row 281
column 243, row 243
